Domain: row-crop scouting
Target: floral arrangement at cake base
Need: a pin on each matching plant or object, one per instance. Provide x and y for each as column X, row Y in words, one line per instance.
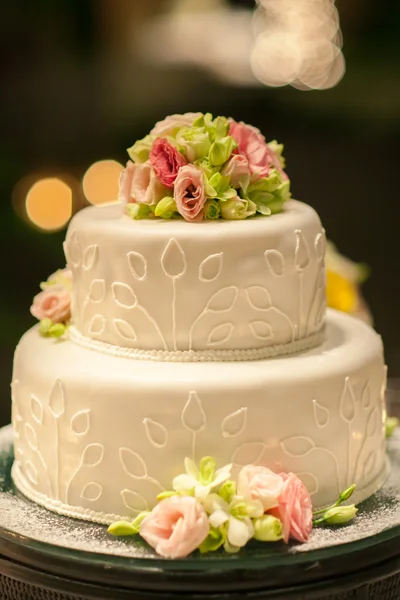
column 200, row 168
column 207, row 510
column 52, row 306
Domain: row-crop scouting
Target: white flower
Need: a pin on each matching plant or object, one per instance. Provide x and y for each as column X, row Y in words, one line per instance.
column 201, row 480
column 237, row 516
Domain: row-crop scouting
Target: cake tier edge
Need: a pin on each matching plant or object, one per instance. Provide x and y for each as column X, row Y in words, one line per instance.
column 99, row 435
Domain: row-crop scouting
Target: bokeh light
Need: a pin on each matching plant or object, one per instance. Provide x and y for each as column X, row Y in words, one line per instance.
column 298, row 42
column 101, row 182
column 48, row 203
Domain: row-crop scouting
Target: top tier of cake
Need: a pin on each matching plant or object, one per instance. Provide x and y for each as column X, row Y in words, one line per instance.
column 223, row 289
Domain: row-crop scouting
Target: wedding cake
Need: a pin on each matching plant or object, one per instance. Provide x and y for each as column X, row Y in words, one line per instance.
column 197, row 327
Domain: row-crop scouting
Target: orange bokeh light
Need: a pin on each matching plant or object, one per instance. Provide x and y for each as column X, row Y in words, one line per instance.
column 49, row 203
column 101, row 180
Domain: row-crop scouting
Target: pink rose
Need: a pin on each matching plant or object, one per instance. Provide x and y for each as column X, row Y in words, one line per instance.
column 166, row 161
column 139, row 183
column 173, row 122
column 176, row 526
column 189, row 194
column 252, row 145
column 53, row 303
column 294, row 509
column 259, row 483
column 237, row 168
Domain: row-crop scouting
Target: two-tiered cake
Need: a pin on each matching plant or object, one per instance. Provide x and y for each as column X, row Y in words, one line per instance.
column 187, row 339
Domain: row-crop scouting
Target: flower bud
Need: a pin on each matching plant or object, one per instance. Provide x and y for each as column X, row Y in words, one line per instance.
column 347, row 493
column 267, row 529
column 57, row 330
column 221, row 150
column 140, row 150
column 237, row 208
column 340, row 514
column 194, row 142
column 212, row 210
column 165, row 208
column 138, row 211
column 44, row 326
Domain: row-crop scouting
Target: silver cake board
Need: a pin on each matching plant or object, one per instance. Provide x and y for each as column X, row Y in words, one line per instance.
column 45, row 555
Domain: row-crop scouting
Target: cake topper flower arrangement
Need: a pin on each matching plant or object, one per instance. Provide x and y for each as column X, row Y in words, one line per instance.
column 203, row 168
column 52, row 306
column 207, row 510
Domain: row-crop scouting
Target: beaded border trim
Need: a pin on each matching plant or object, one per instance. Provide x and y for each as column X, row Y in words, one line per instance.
column 198, row 355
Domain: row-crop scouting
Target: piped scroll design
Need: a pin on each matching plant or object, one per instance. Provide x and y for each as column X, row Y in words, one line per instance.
column 156, row 433
column 92, row 456
column 221, row 301
column 134, row 501
column 217, row 332
column 321, row 414
column 135, row 467
column 210, row 268
column 92, row 491
column 90, row 257
column 137, row 265
column 60, row 424
column 95, row 295
column 234, row 424
column 259, row 298
column 374, row 430
column 318, row 297
column 173, row 263
column 310, row 319
column 16, row 413
column 301, row 262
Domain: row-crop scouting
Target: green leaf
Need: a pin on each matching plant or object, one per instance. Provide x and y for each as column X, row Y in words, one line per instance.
column 391, row 425
column 263, row 209
column 167, row 494
column 207, row 470
column 123, row 528
column 215, row 539
column 165, row 208
column 215, row 181
column 208, row 188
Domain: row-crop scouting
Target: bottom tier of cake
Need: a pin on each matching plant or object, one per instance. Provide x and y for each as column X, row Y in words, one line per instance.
column 98, row 437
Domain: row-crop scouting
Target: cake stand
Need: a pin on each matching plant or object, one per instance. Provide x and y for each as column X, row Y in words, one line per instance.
column 47, row 556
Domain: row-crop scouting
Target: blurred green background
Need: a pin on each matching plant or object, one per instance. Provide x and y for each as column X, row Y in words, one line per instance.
column 83, row 79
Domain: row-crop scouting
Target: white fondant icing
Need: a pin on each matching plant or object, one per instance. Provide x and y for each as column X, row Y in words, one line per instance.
column 176, row 284
column 146, row 417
